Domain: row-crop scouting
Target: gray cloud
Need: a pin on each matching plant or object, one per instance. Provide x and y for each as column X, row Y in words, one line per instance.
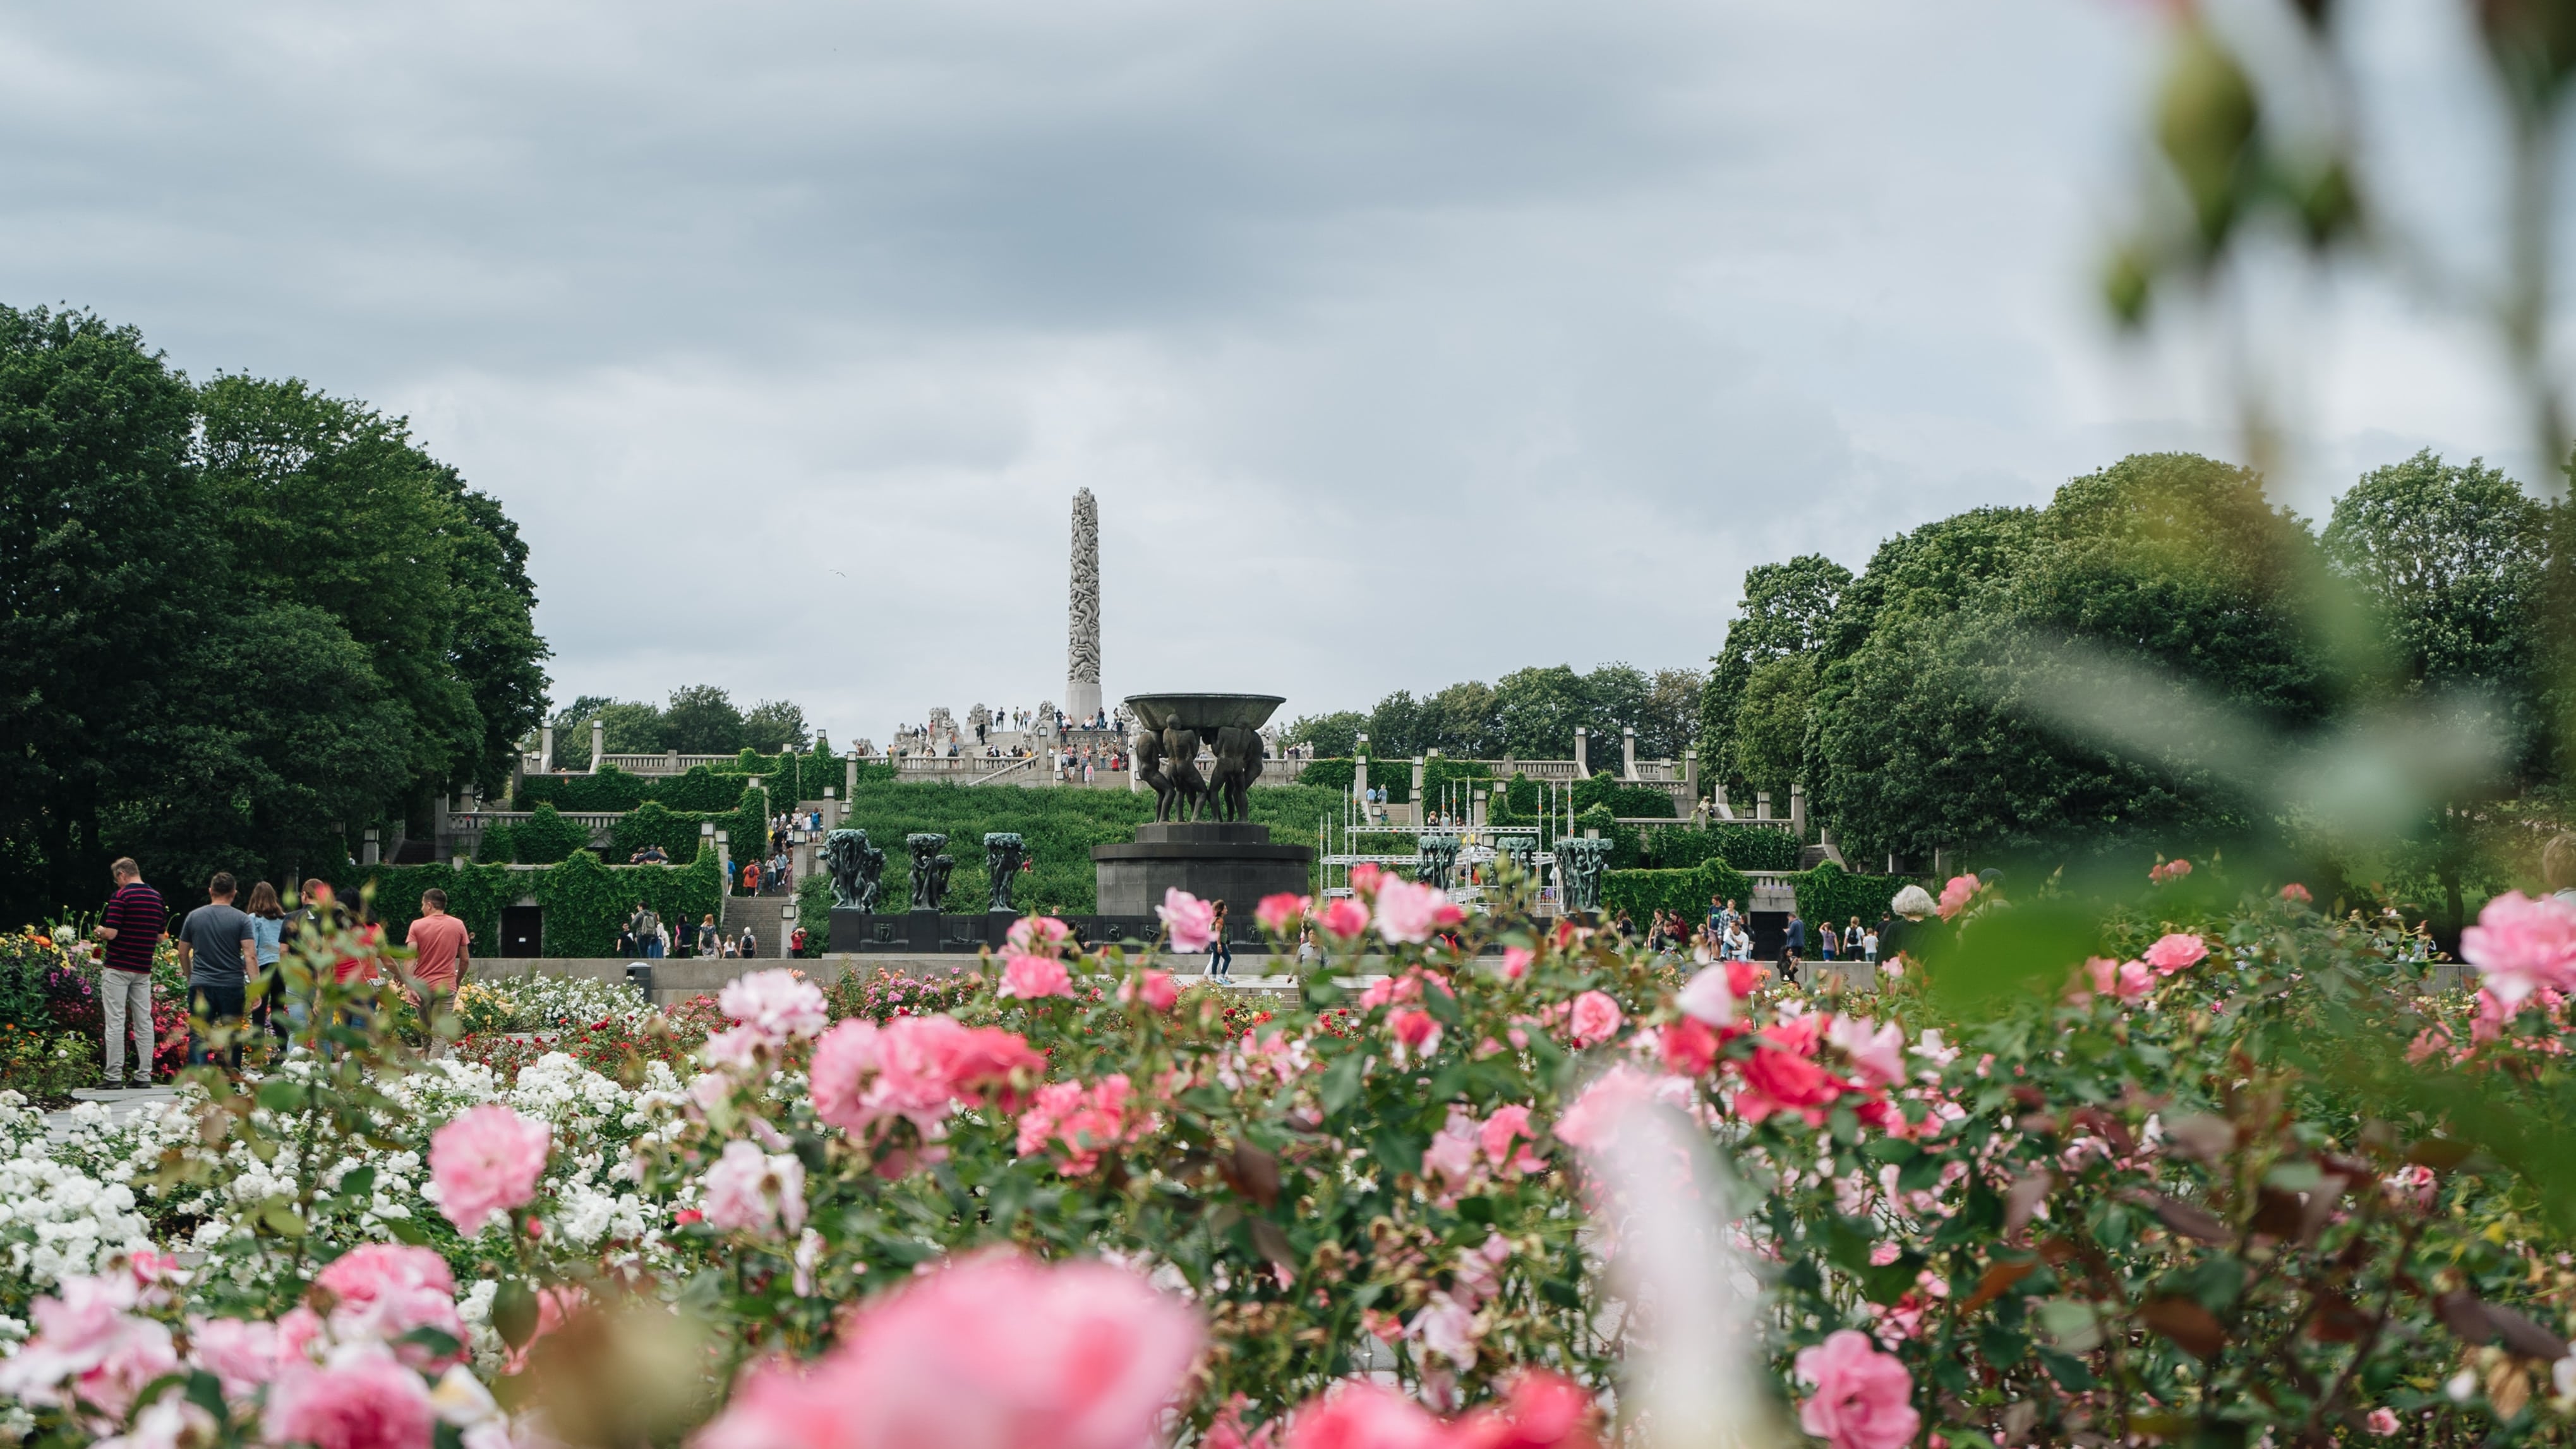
column 1409, row 343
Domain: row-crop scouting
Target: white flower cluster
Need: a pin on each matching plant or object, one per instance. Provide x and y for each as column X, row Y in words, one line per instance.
column 56, row 1220
column 562, row 1003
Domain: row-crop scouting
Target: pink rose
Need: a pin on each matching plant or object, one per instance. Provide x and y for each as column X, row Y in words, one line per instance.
column 1863, row 1397
column 485, row 1162
column 1191, row 922
column 1956, row 895
column 242, row 1353
column 1366, row 877
column 2169, row 870
column 991, row 1352
column 1880, row 1055
column 1410, row 912
column 1034, row 978
column 385, row 1290
column 2521, row 945
column 2381, row 1422
column 86, row 1337
column 1156, row 990
column 845, row 1061
column 1358, row 1415
column 361, row 1401
column 1594, row 1019
column 2172, row 953
column 1039, row 935
column 1074, row 1124
column 1709, row 997
column 1343, row 918
column 2134, row 981
column 1279, row 914
column 1516, row 962
column 1416, row 1030
column 1592, row 1120
column 751, row 1191
column 778, row 1004
column 2104, row 971
column 1509, row 1124
column 2297, row 895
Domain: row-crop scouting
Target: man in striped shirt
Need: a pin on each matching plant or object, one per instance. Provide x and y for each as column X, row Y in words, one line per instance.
column 135, row 921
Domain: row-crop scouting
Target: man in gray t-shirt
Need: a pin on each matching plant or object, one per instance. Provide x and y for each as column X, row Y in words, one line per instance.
column 213, row 943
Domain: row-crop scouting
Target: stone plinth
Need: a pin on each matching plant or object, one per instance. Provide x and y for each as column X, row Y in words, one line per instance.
column 1235, row 862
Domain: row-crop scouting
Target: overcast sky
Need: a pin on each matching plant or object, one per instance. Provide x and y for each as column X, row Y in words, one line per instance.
column 1401, row 343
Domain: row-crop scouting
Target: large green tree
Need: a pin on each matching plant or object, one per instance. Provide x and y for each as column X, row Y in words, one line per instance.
column 244, row 621
column 1786, row 610
column 2154, row 586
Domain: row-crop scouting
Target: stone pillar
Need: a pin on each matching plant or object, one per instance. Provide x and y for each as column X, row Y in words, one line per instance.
column 1082, row 653
column 598, row 742
column 1690, row 773
column 1798, row 810
column 1627, row 752
column 545, row 749
column 373, row 852
column 1417, row 789
column 1359, row 778
column 1582, row 753
column 1762, row 805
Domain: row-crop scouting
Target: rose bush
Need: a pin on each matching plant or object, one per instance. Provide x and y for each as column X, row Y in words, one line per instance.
column 2204, row 1200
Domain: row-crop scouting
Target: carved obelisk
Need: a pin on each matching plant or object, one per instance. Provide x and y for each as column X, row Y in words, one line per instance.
column 1082, row 660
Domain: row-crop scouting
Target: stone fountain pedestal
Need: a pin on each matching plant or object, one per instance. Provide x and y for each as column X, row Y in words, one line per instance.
column 1233, row 862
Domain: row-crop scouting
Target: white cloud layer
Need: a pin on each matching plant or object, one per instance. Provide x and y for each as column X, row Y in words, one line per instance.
column 1401, row 344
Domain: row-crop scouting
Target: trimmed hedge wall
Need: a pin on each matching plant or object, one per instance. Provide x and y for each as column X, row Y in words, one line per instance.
column 788, row 778
column 1393, row 776
column 1831, row 893
column 1643, row 892
column 585, row 902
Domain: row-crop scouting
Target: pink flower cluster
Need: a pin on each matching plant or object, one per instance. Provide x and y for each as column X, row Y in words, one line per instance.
column 1408, row 913
column 1075, row 1124
column 1863, row 1398
column 335, row 1383
column 1957, row 894
column 772, row 1008
column 1280, row 914
column 1593, row 1019
column 1034, row 978
column 1541, row 1411
column 995, row 1351
column 1467, row 1153
column 2169, row 870
column 2521, row 945
column 751, row 1191
column 1187, row 920
column 916, row 1068
column 1155, row 990
column 485, row 1162
column 1039, row 935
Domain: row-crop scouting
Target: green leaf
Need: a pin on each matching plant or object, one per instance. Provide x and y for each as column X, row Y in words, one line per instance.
column 2005, row 951
column 514, row 1312
column 1342, row 1086
column 282, row 1094
column 1891, row 1149
column 2068, row 1370
column 280, row 1217
column 407, row 1232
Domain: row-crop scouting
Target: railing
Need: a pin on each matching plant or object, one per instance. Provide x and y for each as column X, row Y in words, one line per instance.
column 665, row 764
column 1029, row 763
column 601, row 824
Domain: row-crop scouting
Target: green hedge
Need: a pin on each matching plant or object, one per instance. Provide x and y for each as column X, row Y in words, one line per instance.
column 585, row 901
column 1637, row 800
column 1643, row 892
column 789, row 778
column 1393, row 776
column 1831, row 893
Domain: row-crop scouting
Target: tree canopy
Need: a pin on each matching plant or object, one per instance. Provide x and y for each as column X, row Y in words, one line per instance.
column 246, row 620
column 1527, row 714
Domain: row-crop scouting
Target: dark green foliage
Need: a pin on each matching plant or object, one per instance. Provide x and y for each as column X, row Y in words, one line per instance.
column 1334, row 736
column 788, row 778
column 653, row 823
column 547, row 838
column 1831, row 893
column 1604, row 789
column 242, row 624
column 1393, row 776
column 1929, row 726
column 1786, row 611
column 1643, row 892
column 586, row 903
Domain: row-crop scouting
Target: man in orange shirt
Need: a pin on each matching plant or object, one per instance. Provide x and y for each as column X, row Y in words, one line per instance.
column 440, row 954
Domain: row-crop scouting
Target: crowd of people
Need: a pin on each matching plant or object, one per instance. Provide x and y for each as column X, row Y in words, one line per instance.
column 1727, row 933
column 232, row 957
column 647, row 936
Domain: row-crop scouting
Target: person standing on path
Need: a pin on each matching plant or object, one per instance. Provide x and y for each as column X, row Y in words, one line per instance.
column 134, row 922
column 217, row 945
column 1220, row 951
column 1793, row 948
column 268, row 930
column 440, row 954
